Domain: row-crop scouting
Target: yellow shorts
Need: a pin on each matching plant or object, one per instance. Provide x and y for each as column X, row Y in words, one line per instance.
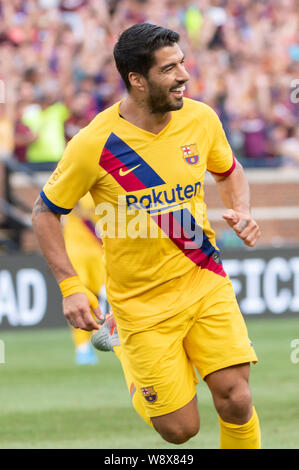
column 210, row 335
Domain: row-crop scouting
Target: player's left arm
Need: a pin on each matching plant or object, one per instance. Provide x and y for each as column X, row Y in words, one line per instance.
column 235, row 194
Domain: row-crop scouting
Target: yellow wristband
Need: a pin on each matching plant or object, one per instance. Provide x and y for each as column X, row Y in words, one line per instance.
column 73, row 285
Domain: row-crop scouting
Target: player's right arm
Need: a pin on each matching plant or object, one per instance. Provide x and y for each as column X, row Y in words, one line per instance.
column 76, row 173
column 76, row 306
column 47, row 228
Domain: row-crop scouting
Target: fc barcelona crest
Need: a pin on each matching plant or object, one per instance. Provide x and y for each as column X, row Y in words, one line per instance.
column 190, row 154
column 149, row 394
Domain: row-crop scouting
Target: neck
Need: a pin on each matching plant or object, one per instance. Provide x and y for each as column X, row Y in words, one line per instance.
column 137, row 113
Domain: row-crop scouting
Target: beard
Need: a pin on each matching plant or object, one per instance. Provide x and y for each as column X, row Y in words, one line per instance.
column 160, row 100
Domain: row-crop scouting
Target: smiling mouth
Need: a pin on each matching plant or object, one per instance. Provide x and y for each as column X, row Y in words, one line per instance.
column 178, row 91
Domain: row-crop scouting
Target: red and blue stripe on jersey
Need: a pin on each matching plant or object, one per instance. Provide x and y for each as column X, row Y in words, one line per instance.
column 116, row 156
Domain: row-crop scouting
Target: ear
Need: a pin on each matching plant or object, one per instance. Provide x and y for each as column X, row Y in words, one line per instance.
column 137, row 81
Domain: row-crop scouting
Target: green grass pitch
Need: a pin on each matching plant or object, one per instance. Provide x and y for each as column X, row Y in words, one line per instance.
column 48, row 402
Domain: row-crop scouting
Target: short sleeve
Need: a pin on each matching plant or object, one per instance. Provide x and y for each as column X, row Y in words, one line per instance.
column 220, row 158
column 76, row 173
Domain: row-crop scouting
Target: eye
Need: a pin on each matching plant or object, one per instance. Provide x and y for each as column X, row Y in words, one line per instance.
column 168, row 69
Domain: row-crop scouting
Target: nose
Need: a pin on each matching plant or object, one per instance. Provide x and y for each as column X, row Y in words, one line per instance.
column 183, row 75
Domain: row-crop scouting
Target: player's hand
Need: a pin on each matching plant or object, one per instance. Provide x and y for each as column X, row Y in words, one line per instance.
column 244, row 225
column 77, row 310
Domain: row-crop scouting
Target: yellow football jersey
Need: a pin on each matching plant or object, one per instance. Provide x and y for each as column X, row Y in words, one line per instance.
column 160, row 251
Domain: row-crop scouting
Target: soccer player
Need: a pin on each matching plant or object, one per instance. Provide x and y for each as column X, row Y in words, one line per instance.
column 143, row 161
column 83, row 247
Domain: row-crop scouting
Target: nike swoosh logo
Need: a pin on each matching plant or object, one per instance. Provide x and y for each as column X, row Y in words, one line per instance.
column 124, row 173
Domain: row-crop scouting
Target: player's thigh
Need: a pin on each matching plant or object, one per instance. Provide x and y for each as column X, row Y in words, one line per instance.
column 219, row 337
column 179, row 425
column 163, row 375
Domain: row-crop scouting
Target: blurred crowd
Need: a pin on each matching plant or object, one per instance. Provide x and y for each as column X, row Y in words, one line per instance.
column 57, row 70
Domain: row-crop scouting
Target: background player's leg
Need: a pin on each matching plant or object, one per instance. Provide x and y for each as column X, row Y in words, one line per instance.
column 90, row 273
column 80, row 337
column 238, row 420
column 84, row 352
